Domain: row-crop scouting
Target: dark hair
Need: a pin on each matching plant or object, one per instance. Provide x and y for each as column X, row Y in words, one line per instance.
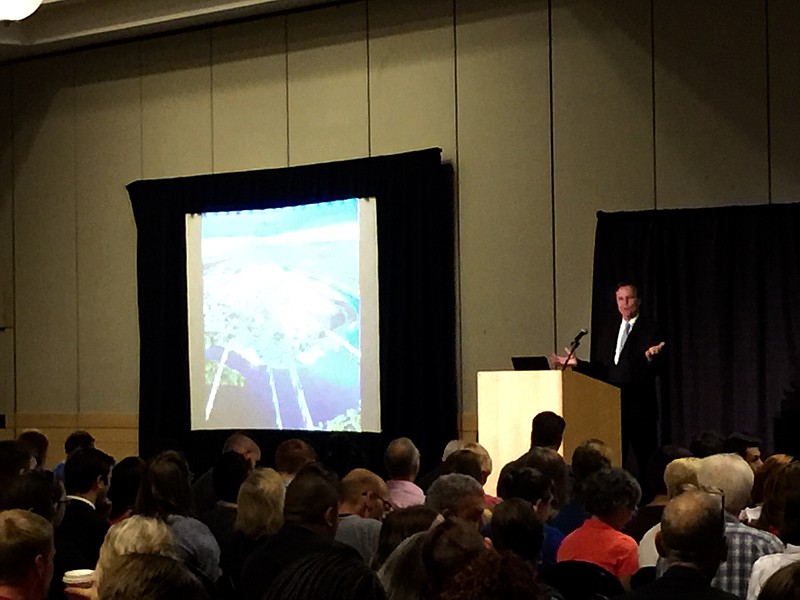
column 229, row 472
column 397, row 526
column 310, row 494
column 590, row 457
column 547, row 429
column 34, row 491
column 292, row 455
column 401, row 458
column 516, row 527
column 37, row 444
column 492, row 575
column 657, row 464
column 707, row 443
column 782, row 483
column 625, row 283
column 343, row 454
column 83, row 467
column 784, row 584
column 738, row 443
column 126, row 476
column 165, row 488
column 518, row 481
column 446, row 548
column 551, row 465
column 15, row 457
column 790, row 528
column 607, row 492
column 465, row 462
column 78, row 439
column 136, row 576
column 326, row 577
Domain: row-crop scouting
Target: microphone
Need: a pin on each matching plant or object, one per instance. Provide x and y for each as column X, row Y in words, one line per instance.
column 574, row 346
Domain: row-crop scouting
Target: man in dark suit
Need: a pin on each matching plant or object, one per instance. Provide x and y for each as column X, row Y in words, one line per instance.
column 86, row 474
column 627, row 356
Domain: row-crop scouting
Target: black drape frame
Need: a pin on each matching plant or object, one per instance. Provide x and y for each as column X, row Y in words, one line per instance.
column 416, row 273
column 724, row 284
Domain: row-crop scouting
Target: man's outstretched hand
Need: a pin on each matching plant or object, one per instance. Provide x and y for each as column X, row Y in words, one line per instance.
column 654, row 350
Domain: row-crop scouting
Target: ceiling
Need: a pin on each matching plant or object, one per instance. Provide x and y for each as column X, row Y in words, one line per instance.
column 66, row 24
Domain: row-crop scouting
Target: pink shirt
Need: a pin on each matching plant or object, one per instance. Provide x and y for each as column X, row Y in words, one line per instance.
column 404, row 493
column 599, row 543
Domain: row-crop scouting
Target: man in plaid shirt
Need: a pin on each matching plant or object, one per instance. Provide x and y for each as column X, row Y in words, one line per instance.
column 730, row 474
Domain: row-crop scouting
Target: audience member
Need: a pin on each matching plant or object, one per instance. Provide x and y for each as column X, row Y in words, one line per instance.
column 452, row 446
column 362, row 504
column 229, row 472
column 783, row 585
column 747, row 446
column 203, row 496
column 15, row 458
column 37, row 444
column 707, row 443
column 529, row 484
column 551, row 465
column 588, row 458
column 138, row 576
column 399, row 525
column 486, row 469
column 425, row 481
column 492, row 575
column 401, row 460
column 765, row 566
column 649, row 515
column 679, row 475
column 547, row 430
column 326, row 577
column 342, row 454
column 75, row 440
column 611, row 497
column 516, row 527
column 751, row 514
column 421, row 564
column 784, row 482
column 291, row 456
column 124, row 487
column 86, row 476
column 457, row 495
column 730, row 474
column 26, row 555
column 165, row 494
column 692, row 539
column 310, row 515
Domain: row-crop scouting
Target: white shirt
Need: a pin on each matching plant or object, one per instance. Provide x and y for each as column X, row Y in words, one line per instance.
column 620, row 345
column 766, row 566
column 648, row 554
column 80, row 499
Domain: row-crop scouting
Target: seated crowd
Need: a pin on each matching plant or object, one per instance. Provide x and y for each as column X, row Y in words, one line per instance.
column 712, row 521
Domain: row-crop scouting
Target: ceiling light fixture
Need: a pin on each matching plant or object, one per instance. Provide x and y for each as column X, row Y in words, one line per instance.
column 16, row 10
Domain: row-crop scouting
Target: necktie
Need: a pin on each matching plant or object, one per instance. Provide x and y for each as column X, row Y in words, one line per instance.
column 622, row 339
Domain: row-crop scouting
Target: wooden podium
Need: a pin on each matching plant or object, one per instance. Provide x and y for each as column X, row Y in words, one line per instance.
column 508, row 401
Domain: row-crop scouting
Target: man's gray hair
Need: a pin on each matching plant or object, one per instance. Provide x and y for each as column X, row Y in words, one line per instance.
column 448, row 491
column 730, row 474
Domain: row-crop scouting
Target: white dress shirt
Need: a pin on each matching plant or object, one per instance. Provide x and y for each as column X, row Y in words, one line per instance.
column 620, row 344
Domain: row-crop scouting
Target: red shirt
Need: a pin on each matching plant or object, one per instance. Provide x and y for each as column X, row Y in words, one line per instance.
column 599, row 543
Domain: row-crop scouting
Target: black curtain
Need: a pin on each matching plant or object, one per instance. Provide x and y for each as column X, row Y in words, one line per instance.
column 724, row 284
column 416, row 272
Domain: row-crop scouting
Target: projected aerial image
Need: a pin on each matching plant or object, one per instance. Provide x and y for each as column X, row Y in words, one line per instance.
column 281, row 313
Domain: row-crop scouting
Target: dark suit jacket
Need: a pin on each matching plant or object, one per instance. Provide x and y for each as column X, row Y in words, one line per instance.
column 634, row 374
column 679, row 582
column 84, row 528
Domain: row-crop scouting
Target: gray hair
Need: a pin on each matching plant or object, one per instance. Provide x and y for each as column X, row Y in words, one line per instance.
column 731, row 474
column 447, row 492
column 136, row 535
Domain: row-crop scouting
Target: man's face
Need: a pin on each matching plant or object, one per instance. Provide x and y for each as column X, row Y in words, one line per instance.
column 627, row 302
column 471, row 509
column 753, row 457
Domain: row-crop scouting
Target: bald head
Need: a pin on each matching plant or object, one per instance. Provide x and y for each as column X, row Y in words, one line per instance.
column 244, row 445
column 363, row 493
column 693, row 530
column 402, row 459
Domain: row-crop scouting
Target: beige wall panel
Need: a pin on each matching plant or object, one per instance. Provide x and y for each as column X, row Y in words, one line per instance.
column 412, row 76
column 176, row 105
column 249, row 95
column 504, row 185
column 6, row 207
column 784, row 96
column 7, row 375
column 710, row 103
column 44, row 222
column 108, row 140
column 328, row 116
column 603, row 137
